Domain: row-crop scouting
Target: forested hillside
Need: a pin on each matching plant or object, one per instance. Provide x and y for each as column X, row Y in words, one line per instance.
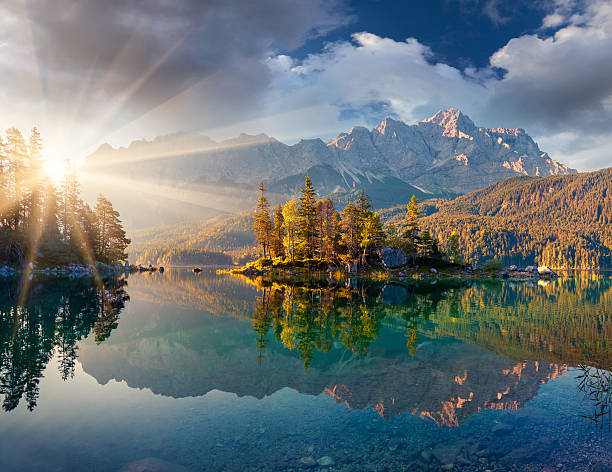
column 213, row 241
column 560, row 221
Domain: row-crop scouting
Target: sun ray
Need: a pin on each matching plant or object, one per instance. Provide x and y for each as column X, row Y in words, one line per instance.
column 220, row 198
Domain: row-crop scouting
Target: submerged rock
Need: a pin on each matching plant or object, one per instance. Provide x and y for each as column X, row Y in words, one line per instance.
column 152, row 464
column 325, row 461
column 308, row 461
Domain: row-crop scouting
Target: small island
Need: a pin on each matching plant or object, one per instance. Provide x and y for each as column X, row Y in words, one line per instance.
column 308, row 239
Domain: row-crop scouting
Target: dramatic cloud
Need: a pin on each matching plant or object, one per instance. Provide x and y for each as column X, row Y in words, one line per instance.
column 118, row 71
column 557, row 87
column 106, row 63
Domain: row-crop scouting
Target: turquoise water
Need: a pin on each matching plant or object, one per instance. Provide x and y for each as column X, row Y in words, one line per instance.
column 179, row 371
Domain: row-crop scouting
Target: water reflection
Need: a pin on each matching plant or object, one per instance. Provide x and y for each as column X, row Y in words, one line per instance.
column 50, row 320
column 596, row 382
column 441, row 352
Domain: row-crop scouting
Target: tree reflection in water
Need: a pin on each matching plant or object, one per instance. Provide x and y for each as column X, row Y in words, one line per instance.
column 308, row 319
column 596, row 382
column 49, row 321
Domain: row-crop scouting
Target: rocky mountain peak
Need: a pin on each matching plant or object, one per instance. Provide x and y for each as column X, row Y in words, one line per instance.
column 454, row 123
column 389, row 125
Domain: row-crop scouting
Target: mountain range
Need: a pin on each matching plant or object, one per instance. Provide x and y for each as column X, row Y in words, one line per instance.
column 190, row 176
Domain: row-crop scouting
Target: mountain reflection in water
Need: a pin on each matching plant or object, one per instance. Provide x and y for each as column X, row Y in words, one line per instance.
column 442, row 352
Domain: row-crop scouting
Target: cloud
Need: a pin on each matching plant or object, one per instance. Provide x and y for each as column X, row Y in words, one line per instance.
column 109, row 63
column 372, row 74
column 119, row 70
column 557, row 87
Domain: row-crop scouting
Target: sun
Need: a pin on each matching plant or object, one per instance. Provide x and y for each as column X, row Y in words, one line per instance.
column 55, row 169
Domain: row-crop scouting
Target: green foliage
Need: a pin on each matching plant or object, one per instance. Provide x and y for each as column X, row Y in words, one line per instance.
column 560, row 221
column 262, row 224
column 492, row 265
column 307, row 224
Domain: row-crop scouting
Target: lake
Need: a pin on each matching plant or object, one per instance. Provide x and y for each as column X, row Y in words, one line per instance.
column 186, row 372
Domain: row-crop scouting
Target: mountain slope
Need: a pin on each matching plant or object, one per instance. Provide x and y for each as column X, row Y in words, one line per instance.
column 560, row 221
column 442, row 155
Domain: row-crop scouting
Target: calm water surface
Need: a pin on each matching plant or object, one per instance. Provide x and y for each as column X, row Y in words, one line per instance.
column 178, row 371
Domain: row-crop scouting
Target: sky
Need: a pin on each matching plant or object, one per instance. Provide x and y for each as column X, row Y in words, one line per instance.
column 88, row 72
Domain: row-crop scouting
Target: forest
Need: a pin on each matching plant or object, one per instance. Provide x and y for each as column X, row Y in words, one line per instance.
column 308, row 229
column 46, row 223
column 560, row 221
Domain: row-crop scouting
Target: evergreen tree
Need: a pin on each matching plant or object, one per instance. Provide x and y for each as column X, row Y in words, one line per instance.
column 307, row 224
column 111, row 239
column 351, row 232
column 454, row 253
column 329, row 227
column 70, row 203
column 372, row 234
column 278, row 233
column 290, row 227
column 411, row 229
column 262, row 224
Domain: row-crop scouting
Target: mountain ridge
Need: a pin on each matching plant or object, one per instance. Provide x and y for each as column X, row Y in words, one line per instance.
column 443, row 155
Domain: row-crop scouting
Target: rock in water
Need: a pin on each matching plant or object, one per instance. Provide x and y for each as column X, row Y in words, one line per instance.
column 392, row 258
column 308, row 462
column 152, row 464
column 325, row 461
column 546, row 271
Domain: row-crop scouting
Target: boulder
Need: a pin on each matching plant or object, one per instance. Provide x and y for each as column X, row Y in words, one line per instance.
column 392, row 258
column 513, row 268
column 546, row 271
column 531, row 269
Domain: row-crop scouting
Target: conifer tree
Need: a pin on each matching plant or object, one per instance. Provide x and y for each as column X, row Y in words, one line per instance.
column 111, row 239
column 351, row 232
column 411, row 229
column 454, row 253
column 278, row 233
column 329, row 227
column 262, row 224
column 372, row 234
column 290, row 227
column 307, row 227
column 70, row 202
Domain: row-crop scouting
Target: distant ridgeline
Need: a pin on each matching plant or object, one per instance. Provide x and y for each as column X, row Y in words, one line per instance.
column 214, row 241
column 559, row 221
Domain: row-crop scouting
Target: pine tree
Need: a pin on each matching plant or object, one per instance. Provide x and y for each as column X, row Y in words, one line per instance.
column 351, row 232
column 35, row 177
column 70, row 203
column 411, row 228
column 454, row 253
column 17, row 151
column 262, row 224
column 278, row 233
column 290, row 227
column 111, row 239
column 329, row 224
column 372, row 234
column 307, row 213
